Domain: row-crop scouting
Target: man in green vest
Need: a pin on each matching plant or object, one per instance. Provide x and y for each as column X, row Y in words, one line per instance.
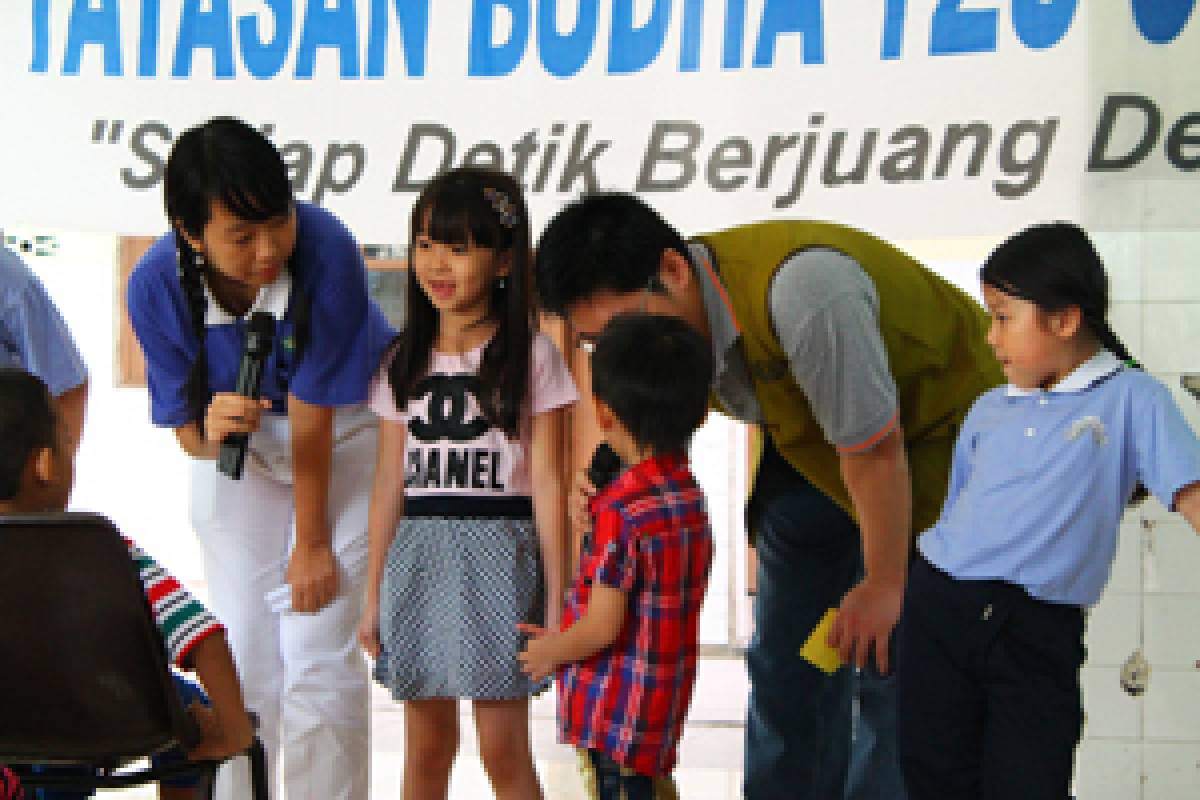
column 859, row 364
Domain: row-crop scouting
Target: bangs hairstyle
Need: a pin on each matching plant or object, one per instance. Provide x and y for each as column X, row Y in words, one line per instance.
column 603, row 241
column 1054, row 266
column 27, row 423
column 654, row 371
column 481, row 208
column 223, row 160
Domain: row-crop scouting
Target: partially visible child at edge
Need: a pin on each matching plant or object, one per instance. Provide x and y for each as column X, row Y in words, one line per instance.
column 37, row 474
column 467, row 507
column 994, row 617
column 627, row 649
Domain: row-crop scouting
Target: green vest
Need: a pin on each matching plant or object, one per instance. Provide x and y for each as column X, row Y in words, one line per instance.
column 933, row 332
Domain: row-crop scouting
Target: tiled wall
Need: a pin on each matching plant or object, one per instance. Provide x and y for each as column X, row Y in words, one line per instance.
column 1148, row 747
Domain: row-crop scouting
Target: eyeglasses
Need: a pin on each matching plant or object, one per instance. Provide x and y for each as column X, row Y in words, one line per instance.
column 587, row 341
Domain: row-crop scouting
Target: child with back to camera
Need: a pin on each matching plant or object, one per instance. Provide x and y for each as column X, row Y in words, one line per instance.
column 627, row 650
column 992, row 638
column 467, row 506
column 37, row 474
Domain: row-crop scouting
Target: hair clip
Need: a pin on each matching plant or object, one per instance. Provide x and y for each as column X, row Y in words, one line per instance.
column 502, row 206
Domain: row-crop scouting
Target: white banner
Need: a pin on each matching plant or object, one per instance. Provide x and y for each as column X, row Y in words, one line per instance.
column 913, row 118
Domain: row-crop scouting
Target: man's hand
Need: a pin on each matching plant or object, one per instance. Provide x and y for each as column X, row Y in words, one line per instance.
column 537, row 659
column 219, row 739
column 312, row 573
column 868, row 614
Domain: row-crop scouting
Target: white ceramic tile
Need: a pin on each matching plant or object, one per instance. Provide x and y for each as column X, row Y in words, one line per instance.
column 1112, row 631
column 1173, row 705
column 1121, row 252
column 1188, row 404
column 1172, row 771
column 1171, row 266
column 1109, row 712
column 1108, row 770
column 1173, row 563
column 1172, row 337
column 722, row 690
column 1172, row 635
column 1126, row 575
column 1126, row 320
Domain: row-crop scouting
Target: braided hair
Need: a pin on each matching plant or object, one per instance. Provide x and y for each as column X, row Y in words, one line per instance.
column 1054, row 265
column 484, row 208
column 226, row 161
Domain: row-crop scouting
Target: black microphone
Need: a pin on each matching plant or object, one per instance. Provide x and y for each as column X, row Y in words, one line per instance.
column 260, row 336
column 604, row 467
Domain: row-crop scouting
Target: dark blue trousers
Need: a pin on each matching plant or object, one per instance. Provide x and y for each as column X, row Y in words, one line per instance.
column 990, row 705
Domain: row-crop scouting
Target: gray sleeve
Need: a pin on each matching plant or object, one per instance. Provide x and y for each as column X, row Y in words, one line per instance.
column 826, row 314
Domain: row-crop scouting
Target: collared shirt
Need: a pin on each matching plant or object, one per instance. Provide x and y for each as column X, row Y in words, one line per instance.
column 651, row 541
column 346, row 337
column 1040, row 479
column 825, row 311
column 33, row 335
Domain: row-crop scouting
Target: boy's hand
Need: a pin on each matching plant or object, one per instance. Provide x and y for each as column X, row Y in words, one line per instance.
column 537, row 659
column 582, row 492
column 220, row 739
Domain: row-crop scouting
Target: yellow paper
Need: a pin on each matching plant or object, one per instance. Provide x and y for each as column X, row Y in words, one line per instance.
column 817, row 651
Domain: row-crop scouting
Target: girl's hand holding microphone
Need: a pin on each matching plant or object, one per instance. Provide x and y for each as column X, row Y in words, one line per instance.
column 231, row 413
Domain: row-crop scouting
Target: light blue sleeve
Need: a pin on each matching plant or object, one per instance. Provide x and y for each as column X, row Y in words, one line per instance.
column 963, row 455
column 1166, row 449
column 40, row 340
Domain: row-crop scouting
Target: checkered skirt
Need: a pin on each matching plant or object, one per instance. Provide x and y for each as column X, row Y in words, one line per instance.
column 452, row 593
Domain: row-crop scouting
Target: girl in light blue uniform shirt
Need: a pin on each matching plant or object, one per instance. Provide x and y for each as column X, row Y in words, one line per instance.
column 992, row 639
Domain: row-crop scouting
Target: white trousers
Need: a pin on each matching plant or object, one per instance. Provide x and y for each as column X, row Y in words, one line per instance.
column 303, row 674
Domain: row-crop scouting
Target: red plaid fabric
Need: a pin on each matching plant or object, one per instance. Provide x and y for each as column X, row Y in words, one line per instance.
column 652, row 541
column 10, row 786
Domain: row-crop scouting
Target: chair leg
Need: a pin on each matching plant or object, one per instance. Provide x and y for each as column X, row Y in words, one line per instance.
column 259, row 785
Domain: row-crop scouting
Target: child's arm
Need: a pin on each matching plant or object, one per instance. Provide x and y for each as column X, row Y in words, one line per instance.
column 225, row 725
column 596, row 630
column 549, row 505
column 1187, row 503
column 387, row 504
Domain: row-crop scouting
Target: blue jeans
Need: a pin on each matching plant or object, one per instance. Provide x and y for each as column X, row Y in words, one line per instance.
column 188, row 693
column 798, row 721
column 874, row 749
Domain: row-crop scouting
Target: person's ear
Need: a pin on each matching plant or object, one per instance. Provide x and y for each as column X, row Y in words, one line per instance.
column 604, row 415
column 674, row 272
column 45, row 466
column 503, row 263
column 1066, row 322
column 192, row 242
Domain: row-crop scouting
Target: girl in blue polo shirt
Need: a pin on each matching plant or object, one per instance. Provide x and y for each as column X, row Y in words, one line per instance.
column 285, row 546
column 992, row 638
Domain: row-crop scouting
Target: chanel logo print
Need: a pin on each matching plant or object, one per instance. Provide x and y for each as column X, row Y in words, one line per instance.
column 448, row 410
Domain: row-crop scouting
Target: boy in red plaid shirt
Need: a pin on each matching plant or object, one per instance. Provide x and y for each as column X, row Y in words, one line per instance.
column 627, row 651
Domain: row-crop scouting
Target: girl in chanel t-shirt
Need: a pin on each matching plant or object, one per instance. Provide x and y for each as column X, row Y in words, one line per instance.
column 466, row 516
